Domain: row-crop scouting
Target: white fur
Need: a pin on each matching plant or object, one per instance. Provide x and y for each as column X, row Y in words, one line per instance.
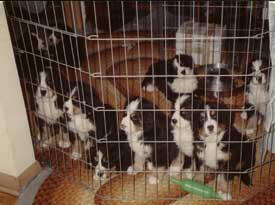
column 76, row 155
column 40, row 42
column 53, row 40
column 81, row 125
column 210, row 122
column 149, row 88
column 46, row 105
column 100, row 168
column 183, row 83
column 64, row 144
column 153, row 180
column 182, row 131
column 212, row 152
column 258, row 96
column 126, row 124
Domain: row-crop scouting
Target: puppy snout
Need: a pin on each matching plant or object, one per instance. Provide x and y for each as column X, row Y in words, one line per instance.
column 210, row 128
column 43, row 92
column 183, row 72
column 174, row 121
column 260, row 79
column 100, row 174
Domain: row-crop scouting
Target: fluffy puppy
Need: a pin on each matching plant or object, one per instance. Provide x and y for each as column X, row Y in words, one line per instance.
column 185, row 124
column 148, row 134
column 183, row 81
column 256, row 94
column 83, row 120
column 114, row 153
column 48, row 103
column 223, row 148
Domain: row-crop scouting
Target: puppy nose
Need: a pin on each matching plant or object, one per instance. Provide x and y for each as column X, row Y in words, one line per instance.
column 260, row 79
column 43, row 92
column 183, row 72
column 100, row 174
column 210, row 127
column 174, row 121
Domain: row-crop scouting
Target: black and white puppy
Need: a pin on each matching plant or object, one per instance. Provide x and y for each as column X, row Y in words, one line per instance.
column 185, row 126
column 256, row 94
column 57, row 44
column 83, row 121
column 183, row 81
column 223, row 148
column 149, row 136
column 49, row 104
column 114, row 154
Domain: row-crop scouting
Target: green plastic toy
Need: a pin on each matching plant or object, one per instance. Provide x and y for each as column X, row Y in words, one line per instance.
column 196, row 188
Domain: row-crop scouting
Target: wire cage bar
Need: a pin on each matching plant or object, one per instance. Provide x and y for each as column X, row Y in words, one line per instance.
column 82, row 63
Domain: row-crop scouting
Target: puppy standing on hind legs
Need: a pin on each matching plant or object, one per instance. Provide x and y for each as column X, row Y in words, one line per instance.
column 48, row 110
column 223, row 148
column 184, row 130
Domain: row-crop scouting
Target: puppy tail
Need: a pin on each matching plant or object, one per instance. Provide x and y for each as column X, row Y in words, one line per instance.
column 245, row 178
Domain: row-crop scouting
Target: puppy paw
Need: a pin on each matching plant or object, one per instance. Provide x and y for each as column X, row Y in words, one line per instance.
column 148, row 88
column 75, row 156
column 63, row 144
column 174, row 171
column 250, row 131
column 46, row 143
column 38, row 137
column 153, row 180
column 244, row 115
column 131, row 171
column 189, row 175
column 225, row 196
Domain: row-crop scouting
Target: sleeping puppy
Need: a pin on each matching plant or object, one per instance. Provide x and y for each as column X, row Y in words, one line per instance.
column 83, row 121
column 49, row 104
column 256, row 94
column 184, row 81
column 185, row 126
column 223, row 148
column 148, row 134
column 112, row 154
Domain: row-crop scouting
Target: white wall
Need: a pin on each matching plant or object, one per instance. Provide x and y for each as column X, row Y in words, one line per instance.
column 16, row 151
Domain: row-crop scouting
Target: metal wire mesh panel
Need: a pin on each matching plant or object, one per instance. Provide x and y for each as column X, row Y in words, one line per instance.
column 126, row 97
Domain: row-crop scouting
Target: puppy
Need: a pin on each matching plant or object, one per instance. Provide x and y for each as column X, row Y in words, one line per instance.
column 54, row 43
column 112, row 154
column 185, row 128
column 48, row 104
column 223, row 148
column 184, row 81
column 83, row 121
column 256, row 94
column 149, row 137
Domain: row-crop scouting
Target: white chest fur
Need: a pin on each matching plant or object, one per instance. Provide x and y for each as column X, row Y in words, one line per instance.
column 185, row 84
column 138, row 147
column 184, row 140
column 81, row 125
column 212, row 153
column 258, row 97
column 47, row 109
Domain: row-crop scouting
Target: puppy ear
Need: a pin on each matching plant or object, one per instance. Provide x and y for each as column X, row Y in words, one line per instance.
column 147, row 120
